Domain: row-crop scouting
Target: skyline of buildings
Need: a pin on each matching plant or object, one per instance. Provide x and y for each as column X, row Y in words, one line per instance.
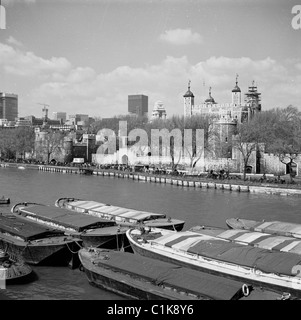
column 138, row 105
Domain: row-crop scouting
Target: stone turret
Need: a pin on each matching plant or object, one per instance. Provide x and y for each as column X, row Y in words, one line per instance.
column 188, row 101
column 236, row 94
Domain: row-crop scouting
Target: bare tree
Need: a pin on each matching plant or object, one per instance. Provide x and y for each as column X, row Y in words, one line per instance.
column 52, row 142
column 24, row 140
column 247, row 139
column 7, row 143
column 286, row 142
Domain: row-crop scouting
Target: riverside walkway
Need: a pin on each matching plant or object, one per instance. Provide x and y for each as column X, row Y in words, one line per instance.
column 233, row 184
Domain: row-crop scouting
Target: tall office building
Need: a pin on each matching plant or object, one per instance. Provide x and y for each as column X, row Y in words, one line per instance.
column 138, row 104
column 8, row 106
column 61, row 116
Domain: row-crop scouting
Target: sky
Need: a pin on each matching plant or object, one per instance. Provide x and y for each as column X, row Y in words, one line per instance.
column 87, row 56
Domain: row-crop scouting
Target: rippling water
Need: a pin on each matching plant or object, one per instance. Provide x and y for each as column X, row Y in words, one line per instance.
column 195, row 206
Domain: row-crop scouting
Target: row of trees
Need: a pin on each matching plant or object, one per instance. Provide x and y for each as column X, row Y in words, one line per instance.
column 277, row 130
column 15, row 143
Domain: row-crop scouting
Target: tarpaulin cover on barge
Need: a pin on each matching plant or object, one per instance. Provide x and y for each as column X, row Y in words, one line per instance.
column 212, row 247
column 66, row 218
column 164, row 273
column 121, row 212
column 254, row 238
column 26, row 230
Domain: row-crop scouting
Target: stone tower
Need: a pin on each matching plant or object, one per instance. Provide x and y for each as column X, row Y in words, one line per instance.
column 188, row 101
column 236, row 94
column 253, row 100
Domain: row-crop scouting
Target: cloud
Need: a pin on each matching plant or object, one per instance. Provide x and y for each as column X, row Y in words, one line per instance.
column 298, row 66
column 181, row 37
column 105, row 94
column 80, row 89
column 12, row 2
column 17, row 62
column 11, row 40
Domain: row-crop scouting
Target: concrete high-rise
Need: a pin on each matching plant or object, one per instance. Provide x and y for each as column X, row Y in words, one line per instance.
column 61, row 116
column 138, row 105
column 8, row 106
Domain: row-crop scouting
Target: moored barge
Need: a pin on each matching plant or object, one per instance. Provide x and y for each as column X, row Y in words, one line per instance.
column 92, row 231
column 260, row 267
column 137, row 277
column 4, row 200
column 35, row 244
column 12, row 271
column 280, row 228
column 122, row 216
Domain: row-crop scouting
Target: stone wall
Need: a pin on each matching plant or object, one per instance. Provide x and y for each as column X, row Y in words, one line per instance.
column 273, row 165
column 268, row 163
column 220, row 163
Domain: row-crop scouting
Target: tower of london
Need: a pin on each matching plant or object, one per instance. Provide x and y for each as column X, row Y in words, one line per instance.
column 225, row 116
column 236, row 110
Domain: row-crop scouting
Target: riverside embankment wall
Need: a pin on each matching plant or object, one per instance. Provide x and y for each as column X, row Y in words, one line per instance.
column 189, row 181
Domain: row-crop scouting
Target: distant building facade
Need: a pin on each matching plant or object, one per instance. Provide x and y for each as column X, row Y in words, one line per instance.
column 159, row 111
column 138, row 105
column 22, row 122
column 79, row 119
column 61, row 116
column 39, row 122
column 8, row 106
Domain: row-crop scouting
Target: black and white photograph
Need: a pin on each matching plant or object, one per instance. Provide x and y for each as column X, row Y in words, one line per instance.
column 150, row 153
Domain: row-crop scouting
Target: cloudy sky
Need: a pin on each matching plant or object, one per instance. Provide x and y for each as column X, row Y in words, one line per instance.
column 87, row 56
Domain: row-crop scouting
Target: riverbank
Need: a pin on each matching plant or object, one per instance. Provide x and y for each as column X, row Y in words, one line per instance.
column 235, row 185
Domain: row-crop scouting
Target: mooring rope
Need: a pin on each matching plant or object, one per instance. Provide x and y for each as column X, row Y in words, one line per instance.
column 74, row 252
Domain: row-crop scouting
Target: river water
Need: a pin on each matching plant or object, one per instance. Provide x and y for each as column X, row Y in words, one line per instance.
column 196, row 206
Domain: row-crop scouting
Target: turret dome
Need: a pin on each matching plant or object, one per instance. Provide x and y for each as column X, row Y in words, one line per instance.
column 188, row 93
column 236, row 88
column 210, row 99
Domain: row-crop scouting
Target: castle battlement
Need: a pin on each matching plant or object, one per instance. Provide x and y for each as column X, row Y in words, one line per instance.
column 218, row 107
